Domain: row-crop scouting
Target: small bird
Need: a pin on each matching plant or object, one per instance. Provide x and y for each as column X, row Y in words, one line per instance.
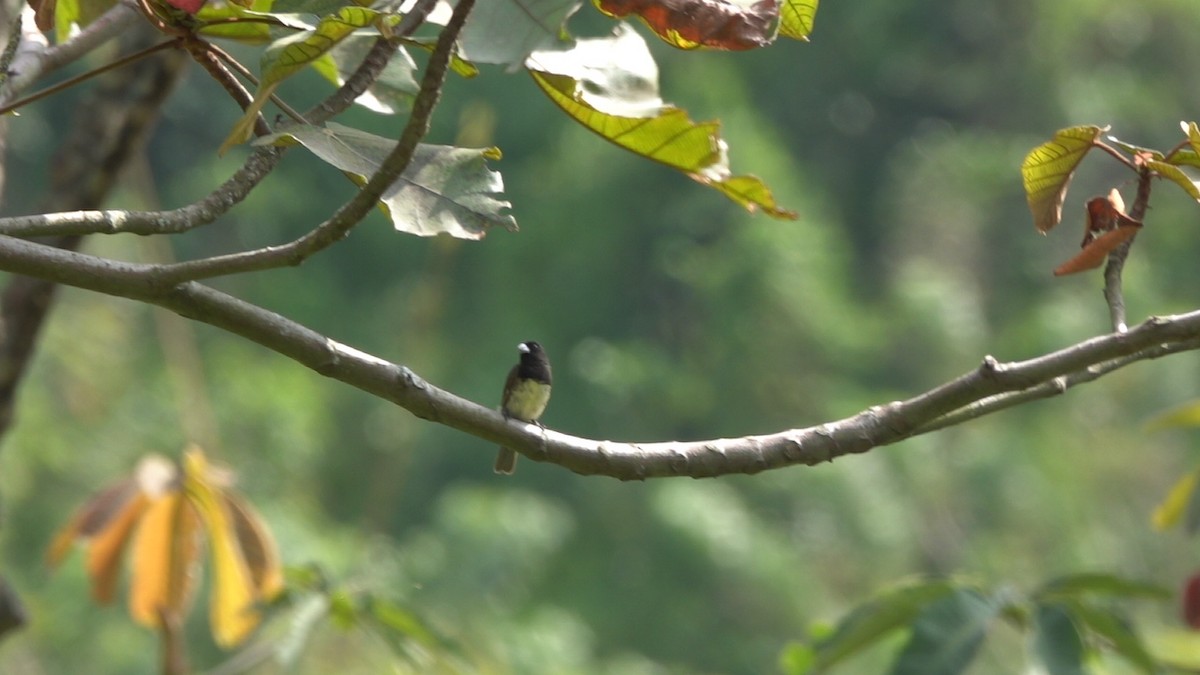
column 526, row 393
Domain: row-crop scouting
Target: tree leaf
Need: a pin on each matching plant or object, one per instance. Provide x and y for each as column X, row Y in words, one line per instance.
column 610, row 86
column 1193, row 135
column 1177, row 176
column 1135, row 149
column 873, row 621
column 1175, row 505
column 1096, row 250
column 1057, row 645
column 947, row 634
column 797, row 18
column 395, row 88
column 689, row 24
column 1119, row 636
column 257, row 546
column 1048, row 169
column 288, row 55
column 233, row 611
column 1075, row 585
column 107, row 546
column 445, row 190
column 507, row 31
column 166, row 552
column 92, row 517
column 1187, row 415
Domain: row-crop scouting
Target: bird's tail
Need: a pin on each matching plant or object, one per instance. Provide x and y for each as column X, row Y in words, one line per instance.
column 506, row 461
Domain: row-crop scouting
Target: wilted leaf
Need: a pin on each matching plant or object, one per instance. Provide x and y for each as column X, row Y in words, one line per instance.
column 610, row 86
column 1175, row 505
column 92, row 517
column 1177, row 176
column 106, row 547
column 233, row 611
column 947, row 634
column 257, row 546
column 166, row 552
column 688, row 24
column 507, row 31
column 873, row 621
column 1105, row 228
column 797, row 17
column 444, row 190
column 1047, row 171
column 1057, row 644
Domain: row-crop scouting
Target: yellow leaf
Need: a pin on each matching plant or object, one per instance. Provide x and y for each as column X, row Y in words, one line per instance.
column 1187, row 415
column 165, row 554
column 258, row 548
column 106, row 547
column 233, row 611
column 1175, row 505
column 1048, row 168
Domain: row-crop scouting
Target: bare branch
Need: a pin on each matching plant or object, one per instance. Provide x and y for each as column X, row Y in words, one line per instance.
column 1113, row 295
column 877, row 426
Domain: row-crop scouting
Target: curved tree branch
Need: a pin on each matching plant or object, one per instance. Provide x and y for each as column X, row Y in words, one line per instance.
column 974, row 393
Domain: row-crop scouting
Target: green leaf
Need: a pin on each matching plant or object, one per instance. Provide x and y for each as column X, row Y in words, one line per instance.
column 1177, row 501
column 873, row 621
column 508, row 31
column 1186, row 415
column 444, row 190
column 610, row 86
column 1193, row 135
column 796, row 18
column 251, row 24
column 1135, row 149
column 1075, row 585
column 1047, row 171
column 1115, row 631
column 947, row 634
column 1057, row 645
column 797, row 658
column 394, row 89
column 1177, row 176
column 288, row 55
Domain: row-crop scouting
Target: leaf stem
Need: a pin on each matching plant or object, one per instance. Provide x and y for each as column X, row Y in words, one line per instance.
column 1113, row 295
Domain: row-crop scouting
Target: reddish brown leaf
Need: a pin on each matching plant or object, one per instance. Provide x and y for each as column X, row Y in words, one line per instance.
column 688, row 24
column 189, row 6
column 1106, row 228
column 1191, row 601
column 1095, row 251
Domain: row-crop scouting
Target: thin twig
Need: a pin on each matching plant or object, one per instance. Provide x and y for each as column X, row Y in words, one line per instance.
column 1113, row 295
column 33, row 63
column 83, row 77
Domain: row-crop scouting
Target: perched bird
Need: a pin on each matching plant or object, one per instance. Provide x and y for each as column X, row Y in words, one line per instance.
column 526, row 393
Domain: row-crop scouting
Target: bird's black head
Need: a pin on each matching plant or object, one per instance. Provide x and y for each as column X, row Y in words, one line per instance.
column 529, row 347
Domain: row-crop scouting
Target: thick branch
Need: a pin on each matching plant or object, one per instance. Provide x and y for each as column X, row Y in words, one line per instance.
column 871, row 428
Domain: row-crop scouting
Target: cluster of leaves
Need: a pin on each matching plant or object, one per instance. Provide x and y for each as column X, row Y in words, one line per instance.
column 1048, row 169
column 1068, row 620
column 162, row 514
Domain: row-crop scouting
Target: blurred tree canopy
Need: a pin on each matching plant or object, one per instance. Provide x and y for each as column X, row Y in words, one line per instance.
column 896, row 133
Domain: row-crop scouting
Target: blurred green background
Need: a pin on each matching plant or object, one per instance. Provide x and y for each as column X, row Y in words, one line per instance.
column 669, row 313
